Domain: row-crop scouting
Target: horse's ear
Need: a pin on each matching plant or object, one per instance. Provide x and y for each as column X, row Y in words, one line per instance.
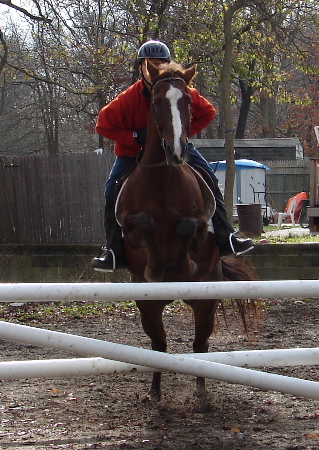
column 190, row 73
column 152, row 69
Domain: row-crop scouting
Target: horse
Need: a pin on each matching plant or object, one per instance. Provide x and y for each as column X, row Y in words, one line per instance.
column 165, row 208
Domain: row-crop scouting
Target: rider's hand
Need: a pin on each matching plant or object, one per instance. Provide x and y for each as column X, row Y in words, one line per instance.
column 141, row 136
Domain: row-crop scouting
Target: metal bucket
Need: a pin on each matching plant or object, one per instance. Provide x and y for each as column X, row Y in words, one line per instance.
column 250, row 219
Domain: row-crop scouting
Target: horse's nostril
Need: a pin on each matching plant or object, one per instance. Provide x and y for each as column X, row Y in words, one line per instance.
column 172, row 157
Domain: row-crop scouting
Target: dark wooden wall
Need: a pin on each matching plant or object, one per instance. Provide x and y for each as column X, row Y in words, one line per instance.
column 53, row 199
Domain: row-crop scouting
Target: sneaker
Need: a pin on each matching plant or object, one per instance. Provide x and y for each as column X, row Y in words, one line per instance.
column 107, row 261
column 240, row 246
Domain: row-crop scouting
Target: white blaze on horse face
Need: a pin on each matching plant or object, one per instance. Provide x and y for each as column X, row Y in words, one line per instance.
column 173, row 95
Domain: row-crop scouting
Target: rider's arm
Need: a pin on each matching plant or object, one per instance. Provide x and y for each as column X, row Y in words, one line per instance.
column 203, row 112
column 121, row 119
column 111, row 125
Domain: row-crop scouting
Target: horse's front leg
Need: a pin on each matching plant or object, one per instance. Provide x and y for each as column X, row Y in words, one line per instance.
column 152, row 322
column 204, row 317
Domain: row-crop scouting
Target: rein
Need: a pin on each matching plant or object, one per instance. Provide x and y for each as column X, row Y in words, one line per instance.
column 163, row 163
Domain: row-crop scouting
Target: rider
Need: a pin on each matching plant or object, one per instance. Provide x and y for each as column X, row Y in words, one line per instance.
column 124, row 121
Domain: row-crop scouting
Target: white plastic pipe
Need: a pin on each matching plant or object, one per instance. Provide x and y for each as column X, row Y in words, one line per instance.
column 38, row 292
column 158, row 360
column 50, row 368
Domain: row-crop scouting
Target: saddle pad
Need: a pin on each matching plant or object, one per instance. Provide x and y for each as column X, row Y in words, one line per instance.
column 118, row 204
column 208, row 196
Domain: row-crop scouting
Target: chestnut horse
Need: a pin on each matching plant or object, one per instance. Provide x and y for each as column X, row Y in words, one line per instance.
column 165, row 208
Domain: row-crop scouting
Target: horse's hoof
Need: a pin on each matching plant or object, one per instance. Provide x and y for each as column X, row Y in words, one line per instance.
column 153, row 396
column 201, row 393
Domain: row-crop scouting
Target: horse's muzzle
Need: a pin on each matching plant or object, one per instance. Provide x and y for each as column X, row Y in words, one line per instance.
column 169, row 272
column 176, row 156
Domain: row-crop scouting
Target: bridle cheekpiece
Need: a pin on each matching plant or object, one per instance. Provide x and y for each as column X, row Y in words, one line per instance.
column 171, row 80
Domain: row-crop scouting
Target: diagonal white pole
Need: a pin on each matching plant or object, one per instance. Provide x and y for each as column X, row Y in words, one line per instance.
column 158, row 360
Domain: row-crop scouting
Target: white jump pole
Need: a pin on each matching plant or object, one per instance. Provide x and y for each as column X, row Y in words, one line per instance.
column 38, row 292
column 50, row 368
column 158, row 360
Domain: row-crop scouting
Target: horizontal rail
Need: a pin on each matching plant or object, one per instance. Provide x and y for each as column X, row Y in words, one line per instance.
column 49, row 368
column 41, row 292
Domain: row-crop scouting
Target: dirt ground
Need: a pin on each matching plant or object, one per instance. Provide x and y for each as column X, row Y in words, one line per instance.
column 112, row 411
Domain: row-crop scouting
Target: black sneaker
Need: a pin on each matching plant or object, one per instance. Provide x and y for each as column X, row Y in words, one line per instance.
column 240, row 246
column 107, row 261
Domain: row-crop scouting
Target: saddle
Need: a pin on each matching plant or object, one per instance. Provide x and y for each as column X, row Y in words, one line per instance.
column 204, row 182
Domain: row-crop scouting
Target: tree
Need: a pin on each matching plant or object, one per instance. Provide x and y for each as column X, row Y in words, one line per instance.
column 64, row 71
column 84, row 58
column 39, row 17
column 229, row 11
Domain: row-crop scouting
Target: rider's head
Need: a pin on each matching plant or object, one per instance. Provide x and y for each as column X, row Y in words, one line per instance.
column 154, row 50
column 157, row 51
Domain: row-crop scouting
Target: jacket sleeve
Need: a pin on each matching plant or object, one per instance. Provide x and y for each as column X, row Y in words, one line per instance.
column 113, row 124
column 203, row 112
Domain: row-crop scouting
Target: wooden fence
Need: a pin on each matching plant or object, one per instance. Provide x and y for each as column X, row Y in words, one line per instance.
column 60, row 199
column 286, row 179
column 53, row 199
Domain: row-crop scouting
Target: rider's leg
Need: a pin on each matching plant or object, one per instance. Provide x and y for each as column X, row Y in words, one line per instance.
column 112, row 256
column 225, row 235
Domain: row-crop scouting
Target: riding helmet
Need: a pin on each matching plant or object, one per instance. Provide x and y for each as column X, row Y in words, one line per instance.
column 155, row 50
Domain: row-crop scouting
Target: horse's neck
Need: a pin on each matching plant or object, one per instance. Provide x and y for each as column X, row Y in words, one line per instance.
column 153, row 151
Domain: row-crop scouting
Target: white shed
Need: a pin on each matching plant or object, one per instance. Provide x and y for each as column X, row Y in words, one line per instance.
column 250, row 180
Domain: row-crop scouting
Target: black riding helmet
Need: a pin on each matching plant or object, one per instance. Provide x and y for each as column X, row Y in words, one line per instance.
column 155, row 50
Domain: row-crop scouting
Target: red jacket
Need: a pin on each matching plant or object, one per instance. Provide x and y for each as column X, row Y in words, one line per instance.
column 128, row 113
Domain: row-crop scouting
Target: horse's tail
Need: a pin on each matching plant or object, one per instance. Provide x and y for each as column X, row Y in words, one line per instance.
column 235, row 269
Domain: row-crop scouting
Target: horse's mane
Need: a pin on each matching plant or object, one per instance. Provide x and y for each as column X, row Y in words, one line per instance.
column 171, row 69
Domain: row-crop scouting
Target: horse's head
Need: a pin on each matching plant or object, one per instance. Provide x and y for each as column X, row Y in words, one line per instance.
column 171, row 107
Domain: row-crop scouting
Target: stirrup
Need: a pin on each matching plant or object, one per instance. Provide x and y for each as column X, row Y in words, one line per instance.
column 109, row 251
column 233, row 249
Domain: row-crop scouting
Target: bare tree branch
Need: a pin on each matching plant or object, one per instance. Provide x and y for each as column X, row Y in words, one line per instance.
column 39, row 18
column 45, row 80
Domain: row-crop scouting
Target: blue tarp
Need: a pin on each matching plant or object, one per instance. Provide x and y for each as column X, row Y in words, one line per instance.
column 241, row 164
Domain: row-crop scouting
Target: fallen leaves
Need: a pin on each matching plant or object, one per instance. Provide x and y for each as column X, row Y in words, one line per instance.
column 312, row 436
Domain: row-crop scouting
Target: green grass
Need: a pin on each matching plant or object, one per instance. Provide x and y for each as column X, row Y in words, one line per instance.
column 60, row 312
column 57, row 312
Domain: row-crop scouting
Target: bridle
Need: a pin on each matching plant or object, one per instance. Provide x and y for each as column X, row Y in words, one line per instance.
column 173, row 81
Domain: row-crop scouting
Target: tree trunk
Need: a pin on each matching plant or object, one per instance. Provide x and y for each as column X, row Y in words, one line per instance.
column 246, row 93
column 268, row 115
column 268, row 103
column 228, row 120
column 221, row 124
column 229, row 9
